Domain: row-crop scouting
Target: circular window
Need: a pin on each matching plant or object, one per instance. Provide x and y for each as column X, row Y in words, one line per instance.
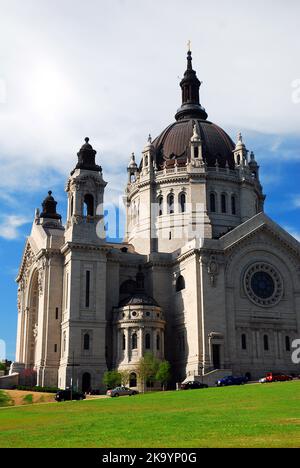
column 263, row 285
column 134, row 314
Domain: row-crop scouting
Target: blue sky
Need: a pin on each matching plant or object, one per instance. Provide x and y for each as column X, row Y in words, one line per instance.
column 110, row 71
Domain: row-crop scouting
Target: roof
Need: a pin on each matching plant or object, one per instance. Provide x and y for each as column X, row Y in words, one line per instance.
column 174, row 143
column 138, row 298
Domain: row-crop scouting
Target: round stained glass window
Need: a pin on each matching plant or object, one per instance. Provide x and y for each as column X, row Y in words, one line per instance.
column 263, row 285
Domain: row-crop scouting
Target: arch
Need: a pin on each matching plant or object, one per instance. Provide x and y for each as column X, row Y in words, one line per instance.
column 160, row 202
column 182, row 202
column 212, row 201
column 233, row 204
column 170, row 203
column 180, row 283
column 86, row 382
column 32, row 319
column 128, row 287
column 134, row 341
column 133, row 379
column 224, row 203
column 147, row 341
column 86, row 342
column 88, row 205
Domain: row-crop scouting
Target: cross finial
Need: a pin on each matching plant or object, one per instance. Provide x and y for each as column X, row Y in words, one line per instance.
column 189, row 44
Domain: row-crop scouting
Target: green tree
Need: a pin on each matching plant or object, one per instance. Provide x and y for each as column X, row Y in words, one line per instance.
column 147, row 368
column 125, row 375
column 112, row 379
column 163, row 374
column 2, row 366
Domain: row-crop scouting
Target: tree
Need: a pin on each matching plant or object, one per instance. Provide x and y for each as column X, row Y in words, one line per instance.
column 147, row 368
column 125, row 375
column 112, row 378
column 163, row 374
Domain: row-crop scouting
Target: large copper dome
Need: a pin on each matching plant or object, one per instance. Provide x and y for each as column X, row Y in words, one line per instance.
column 174, row 142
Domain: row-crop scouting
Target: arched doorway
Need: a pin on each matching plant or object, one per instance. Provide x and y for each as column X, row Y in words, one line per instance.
column 132, row 380
column 86, row 382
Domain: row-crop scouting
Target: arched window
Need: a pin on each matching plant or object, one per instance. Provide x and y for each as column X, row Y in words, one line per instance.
column 86, row 342
column 182, row 202
column 171, row 204
column 287, row 343
column 157, row 342
column 196, row 152
column 88, row 209
column 212, row 203
column 233, row 205
column 160, row 206
column 224, row 203
column 180, row 283
column 72, row 206
column 123, row 341
column 134, row 341
column 266, row 343
column 132, row 380
column 148, row 341
column 146, row 161
column 244, row 341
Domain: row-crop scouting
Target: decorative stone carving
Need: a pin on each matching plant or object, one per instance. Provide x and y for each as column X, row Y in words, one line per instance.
column 213, row 270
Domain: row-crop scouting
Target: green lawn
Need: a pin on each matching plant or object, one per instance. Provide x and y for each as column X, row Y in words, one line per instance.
column 248, row 416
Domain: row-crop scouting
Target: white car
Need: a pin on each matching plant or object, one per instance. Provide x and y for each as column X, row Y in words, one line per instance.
column 263, row 380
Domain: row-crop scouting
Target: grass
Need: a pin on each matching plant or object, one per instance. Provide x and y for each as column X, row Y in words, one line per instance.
column 5, row 400
column 248, row 416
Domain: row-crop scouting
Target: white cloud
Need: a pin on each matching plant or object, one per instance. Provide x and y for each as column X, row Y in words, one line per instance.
column 9, row 227
column 110, row 72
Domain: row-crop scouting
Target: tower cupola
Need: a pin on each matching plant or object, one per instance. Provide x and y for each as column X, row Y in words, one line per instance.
column 86, row 158
column 49, row 208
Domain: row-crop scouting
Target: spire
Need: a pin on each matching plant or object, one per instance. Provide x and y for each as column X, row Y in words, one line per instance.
column 190, row 85
column 49, row 208
column 86, row 158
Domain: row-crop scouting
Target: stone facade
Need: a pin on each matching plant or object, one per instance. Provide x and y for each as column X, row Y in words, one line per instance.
column 204, row 278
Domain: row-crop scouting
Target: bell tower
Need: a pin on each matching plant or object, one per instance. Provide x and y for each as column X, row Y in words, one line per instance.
column 85, row 189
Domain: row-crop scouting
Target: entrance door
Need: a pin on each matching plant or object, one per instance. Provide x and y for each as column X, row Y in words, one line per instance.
column 86, row 382
column 216, row 356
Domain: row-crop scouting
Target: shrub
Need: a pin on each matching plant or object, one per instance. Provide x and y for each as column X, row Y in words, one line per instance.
column 5, row 400
column 37, row 389
column 112, row 379
column 28, row 399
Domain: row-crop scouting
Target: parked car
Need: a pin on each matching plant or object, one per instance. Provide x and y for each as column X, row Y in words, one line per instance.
column 277, row 377
column 121, row 391
column 263, row 380
column 231, row 380
column 192, row 385
column 65, row 395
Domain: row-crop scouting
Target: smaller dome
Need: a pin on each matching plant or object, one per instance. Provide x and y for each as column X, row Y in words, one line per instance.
column 87, row 158
column 49, row 208
column 138, row 299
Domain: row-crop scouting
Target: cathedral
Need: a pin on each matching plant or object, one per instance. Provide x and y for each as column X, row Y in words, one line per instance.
column 204, row 278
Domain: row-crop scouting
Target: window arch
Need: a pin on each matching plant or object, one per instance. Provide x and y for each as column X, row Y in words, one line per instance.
column 287, row 343
column 171, row 204
column 132, row 380
column 160, row 206
column 147, row 341
column 180, row 283
column 266, row 343
column 213, row 203
column 86, row 342
column 244, row 341
column 223, row 203
column 233, row 204
column 134, row 341
column 182, row 202
column 88, row 202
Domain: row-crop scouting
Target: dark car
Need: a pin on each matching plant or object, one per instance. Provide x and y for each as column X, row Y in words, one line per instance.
column 65, row 395
column 231, row 380
column 192, row 385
